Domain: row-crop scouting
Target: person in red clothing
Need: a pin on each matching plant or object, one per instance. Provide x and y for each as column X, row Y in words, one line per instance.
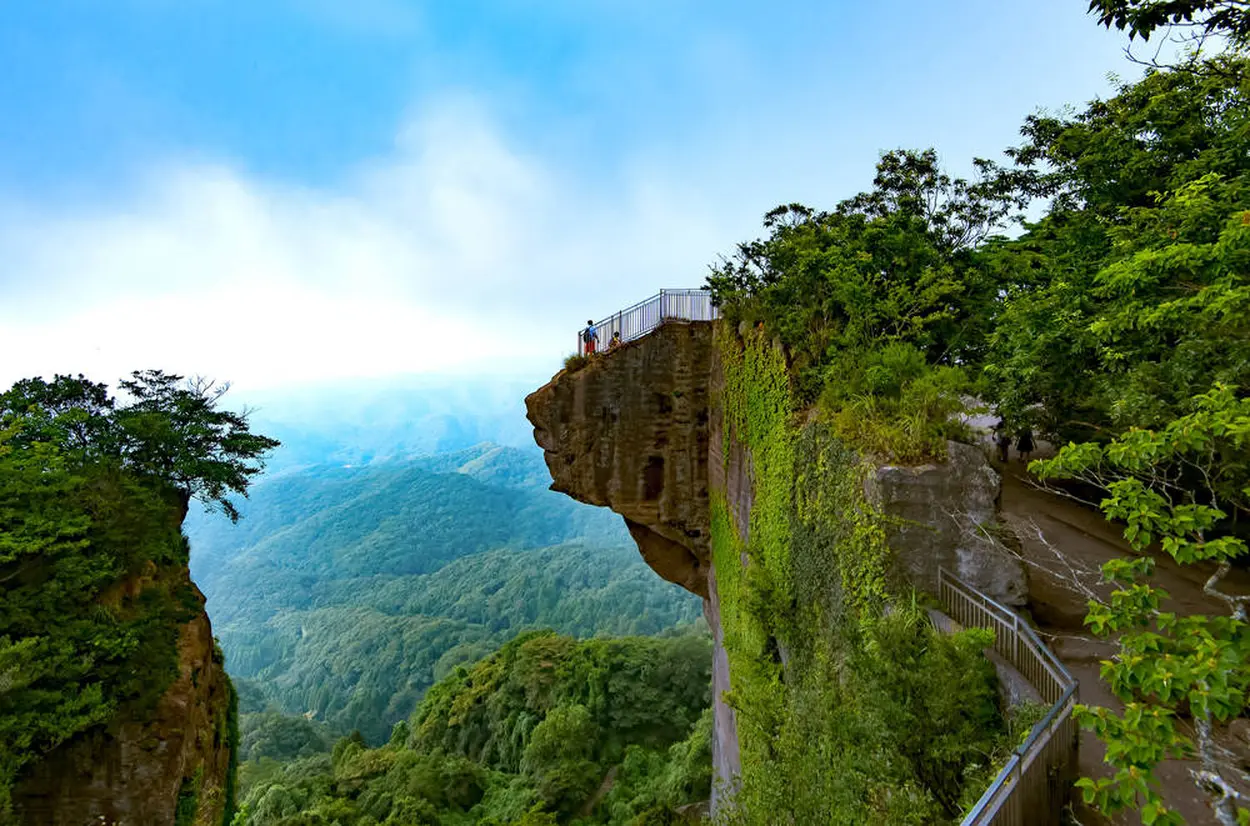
column 590, row 338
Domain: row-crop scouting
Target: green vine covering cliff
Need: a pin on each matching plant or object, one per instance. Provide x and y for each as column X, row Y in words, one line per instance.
column 846, row 713
column 1117, row 321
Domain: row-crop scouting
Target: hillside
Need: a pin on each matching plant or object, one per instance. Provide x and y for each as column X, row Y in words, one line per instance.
column 611, row 731
column 346, row 592
column 326, row 524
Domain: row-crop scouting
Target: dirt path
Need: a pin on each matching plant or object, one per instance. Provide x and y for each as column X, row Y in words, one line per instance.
column 1045, row 522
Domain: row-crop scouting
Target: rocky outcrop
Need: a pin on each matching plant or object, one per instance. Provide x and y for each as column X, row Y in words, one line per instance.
column 944, row 516
column 633, row 431
column 172, row 763
column 629, row 431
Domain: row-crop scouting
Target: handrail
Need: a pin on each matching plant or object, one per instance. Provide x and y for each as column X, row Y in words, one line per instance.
column 637, row 320
column 1033, row 787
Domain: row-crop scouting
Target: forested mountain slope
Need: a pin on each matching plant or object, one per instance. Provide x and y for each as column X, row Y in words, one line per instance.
column 606, row 731
column 346, row 592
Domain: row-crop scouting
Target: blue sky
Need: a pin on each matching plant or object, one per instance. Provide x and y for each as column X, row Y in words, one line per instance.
column 292, row 191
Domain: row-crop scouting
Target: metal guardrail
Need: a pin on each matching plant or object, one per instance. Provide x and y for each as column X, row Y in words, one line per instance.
column 1034, row 786
column 636, row 321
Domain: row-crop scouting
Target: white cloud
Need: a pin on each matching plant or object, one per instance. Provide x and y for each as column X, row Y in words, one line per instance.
column 457, row 252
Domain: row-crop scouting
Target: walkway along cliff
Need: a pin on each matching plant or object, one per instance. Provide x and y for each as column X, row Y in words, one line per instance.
column 690, row 434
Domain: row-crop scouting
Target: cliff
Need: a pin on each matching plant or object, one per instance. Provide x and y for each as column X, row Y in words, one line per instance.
column 691, row 435
column 638, row 431
column 629, row 432
column 166, row 759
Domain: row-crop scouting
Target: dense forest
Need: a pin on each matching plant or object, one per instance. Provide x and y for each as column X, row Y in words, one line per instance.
column 545, row 730
column 345, row 593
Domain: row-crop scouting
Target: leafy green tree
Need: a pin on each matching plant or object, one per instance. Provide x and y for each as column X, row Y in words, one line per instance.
column 1170, row 667
column 169, row 429
column 1129, row 295
column 175, row 431
column 890, row 265
column 881, row 301
column 1142, row 18
column 281, row 737
column 558, row 757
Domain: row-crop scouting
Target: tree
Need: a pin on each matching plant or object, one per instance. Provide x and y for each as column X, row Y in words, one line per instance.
column 1142, row 18
column 1130, row 294
column 881, row 301
column 1181, row 487
column 176, row 432
column 169, row 430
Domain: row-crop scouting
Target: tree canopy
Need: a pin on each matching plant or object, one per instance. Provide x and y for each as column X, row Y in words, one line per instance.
column 166, row 429
column 1142, row 18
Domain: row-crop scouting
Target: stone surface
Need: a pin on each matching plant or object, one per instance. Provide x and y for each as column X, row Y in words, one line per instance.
column 937, row 515
column 726, row 758
column 131, row 772
column 633, row 431
column 629, row 431
column 731, row 476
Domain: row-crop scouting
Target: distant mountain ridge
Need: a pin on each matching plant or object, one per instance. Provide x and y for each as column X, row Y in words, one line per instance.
column 361, row 423
column 345, row 591
column 397, row 518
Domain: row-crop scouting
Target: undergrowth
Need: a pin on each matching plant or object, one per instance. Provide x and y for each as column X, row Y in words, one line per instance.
column 850, row 707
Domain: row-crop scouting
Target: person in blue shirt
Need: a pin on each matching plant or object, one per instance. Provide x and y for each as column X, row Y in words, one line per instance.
column 590, row 337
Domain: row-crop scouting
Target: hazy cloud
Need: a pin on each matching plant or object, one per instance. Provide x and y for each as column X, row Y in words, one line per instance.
column 458, row 251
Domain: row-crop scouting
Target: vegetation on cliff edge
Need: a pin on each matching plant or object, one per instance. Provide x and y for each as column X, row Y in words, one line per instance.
column 92, row 557
column 1118, row 320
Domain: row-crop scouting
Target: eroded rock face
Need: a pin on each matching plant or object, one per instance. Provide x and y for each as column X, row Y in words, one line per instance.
column 133, row 772
column 938, row 513
column 629, row 431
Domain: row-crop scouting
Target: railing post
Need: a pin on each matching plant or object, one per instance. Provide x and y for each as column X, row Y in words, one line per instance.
column 1015, row 639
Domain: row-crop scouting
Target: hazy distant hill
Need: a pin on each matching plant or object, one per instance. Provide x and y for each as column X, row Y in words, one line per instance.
column 346, row 591
column 366, row 422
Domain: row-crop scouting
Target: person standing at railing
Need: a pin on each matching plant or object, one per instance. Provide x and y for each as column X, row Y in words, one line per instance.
column 590, row 338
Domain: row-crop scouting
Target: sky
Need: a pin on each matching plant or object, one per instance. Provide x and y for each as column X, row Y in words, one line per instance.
column 283, row 193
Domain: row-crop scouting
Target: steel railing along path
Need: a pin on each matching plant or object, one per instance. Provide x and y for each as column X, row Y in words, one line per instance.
column 1034, row 786
column 636, row 321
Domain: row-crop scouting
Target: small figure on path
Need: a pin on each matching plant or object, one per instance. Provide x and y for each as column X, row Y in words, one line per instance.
column 616, row 340
column 1024, row 444
column 1002, row 438
column 590, row 337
